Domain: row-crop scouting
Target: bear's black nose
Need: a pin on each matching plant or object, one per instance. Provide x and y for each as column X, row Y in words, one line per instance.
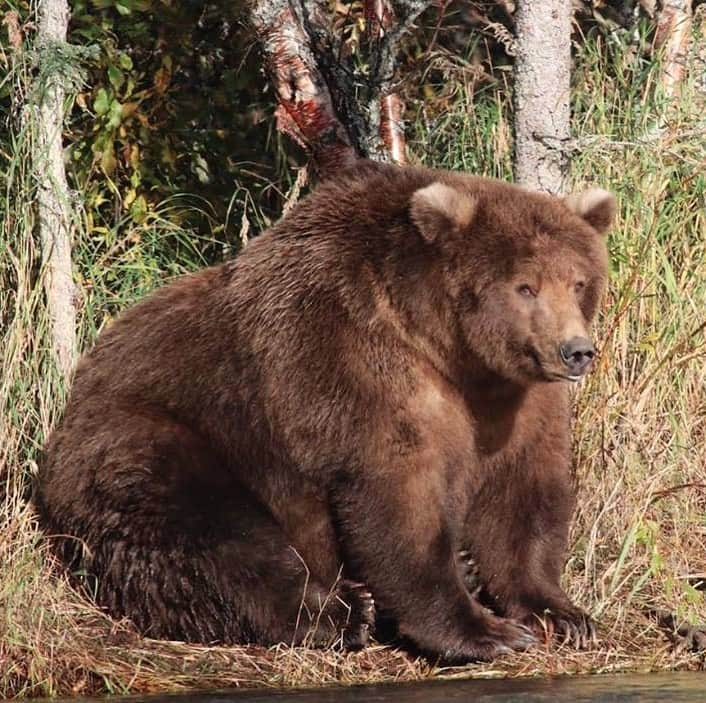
column 577, row 354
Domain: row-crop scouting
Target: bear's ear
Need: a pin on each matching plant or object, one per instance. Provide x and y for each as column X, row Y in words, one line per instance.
column 438, row 207
column 596, row 206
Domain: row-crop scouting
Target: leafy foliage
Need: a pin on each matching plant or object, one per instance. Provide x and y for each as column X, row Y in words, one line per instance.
column 176, row 106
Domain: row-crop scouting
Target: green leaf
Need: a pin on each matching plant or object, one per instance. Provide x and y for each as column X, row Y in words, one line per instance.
column 122, row 9
column 138, row 209
column 116, row 77
column 108, row 160
column 115, row 115
column 125, row 62
column 101, row 104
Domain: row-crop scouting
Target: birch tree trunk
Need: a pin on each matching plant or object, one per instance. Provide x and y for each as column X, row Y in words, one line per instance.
column 305, row 109
column 325, row 103
column 379, row 19
column 542, row 92
column 672, row 36
column 54, row 214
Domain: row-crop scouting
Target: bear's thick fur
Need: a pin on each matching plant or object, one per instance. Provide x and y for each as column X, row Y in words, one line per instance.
column 372, row 387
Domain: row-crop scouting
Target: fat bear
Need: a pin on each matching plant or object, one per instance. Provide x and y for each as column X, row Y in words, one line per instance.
column 274, row 448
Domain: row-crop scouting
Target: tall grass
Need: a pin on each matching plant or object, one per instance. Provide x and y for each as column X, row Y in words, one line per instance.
column 639, row 537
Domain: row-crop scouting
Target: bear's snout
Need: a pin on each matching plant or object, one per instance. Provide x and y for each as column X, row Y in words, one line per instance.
column 577, row 354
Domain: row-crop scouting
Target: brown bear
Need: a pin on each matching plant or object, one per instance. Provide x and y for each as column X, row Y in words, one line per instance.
column 374, row 386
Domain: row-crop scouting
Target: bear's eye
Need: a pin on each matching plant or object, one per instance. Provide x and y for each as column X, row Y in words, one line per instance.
column 579, row 286
column 527, row 291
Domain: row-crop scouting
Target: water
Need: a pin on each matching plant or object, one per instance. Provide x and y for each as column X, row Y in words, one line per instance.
column 685, row 687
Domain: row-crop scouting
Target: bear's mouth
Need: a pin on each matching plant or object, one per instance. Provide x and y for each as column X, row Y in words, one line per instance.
column 567, row 377
column 548, row 374
column 556, row 376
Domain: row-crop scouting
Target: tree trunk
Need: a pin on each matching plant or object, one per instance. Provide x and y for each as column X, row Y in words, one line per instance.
column 672, row 37
column 305, row 109
column 54, row 213
column 379, row 19
column 325, row 103
column 542, row 92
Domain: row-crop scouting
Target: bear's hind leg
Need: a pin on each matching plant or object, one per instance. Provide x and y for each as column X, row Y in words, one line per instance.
column 178, row 545
column 231, row 584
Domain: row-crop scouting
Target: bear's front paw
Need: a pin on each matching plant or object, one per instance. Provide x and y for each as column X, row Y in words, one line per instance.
column 482, row 638
column 569, row 625
column 507, row 635
column 357, row 609
column 490, row 638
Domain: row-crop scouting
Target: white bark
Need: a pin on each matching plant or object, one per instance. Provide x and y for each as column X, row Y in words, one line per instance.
column 673, row 34
column 379, row 19
column 54, row 213
column 305, row 108
column 542, row 92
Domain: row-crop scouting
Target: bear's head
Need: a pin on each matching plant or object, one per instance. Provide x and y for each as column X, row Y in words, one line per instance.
column 523, row 272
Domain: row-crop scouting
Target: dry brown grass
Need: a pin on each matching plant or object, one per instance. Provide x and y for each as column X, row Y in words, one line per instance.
column 639, row 537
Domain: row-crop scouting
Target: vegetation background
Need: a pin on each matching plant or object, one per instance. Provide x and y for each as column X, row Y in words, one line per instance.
column 174, row 163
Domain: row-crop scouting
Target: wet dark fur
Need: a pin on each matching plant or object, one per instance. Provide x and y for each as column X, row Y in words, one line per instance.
column 317, row 403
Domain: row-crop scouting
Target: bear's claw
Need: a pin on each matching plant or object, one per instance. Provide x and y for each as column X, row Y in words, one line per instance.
column 360, row 620
column 495, row 637
column 573, row 628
